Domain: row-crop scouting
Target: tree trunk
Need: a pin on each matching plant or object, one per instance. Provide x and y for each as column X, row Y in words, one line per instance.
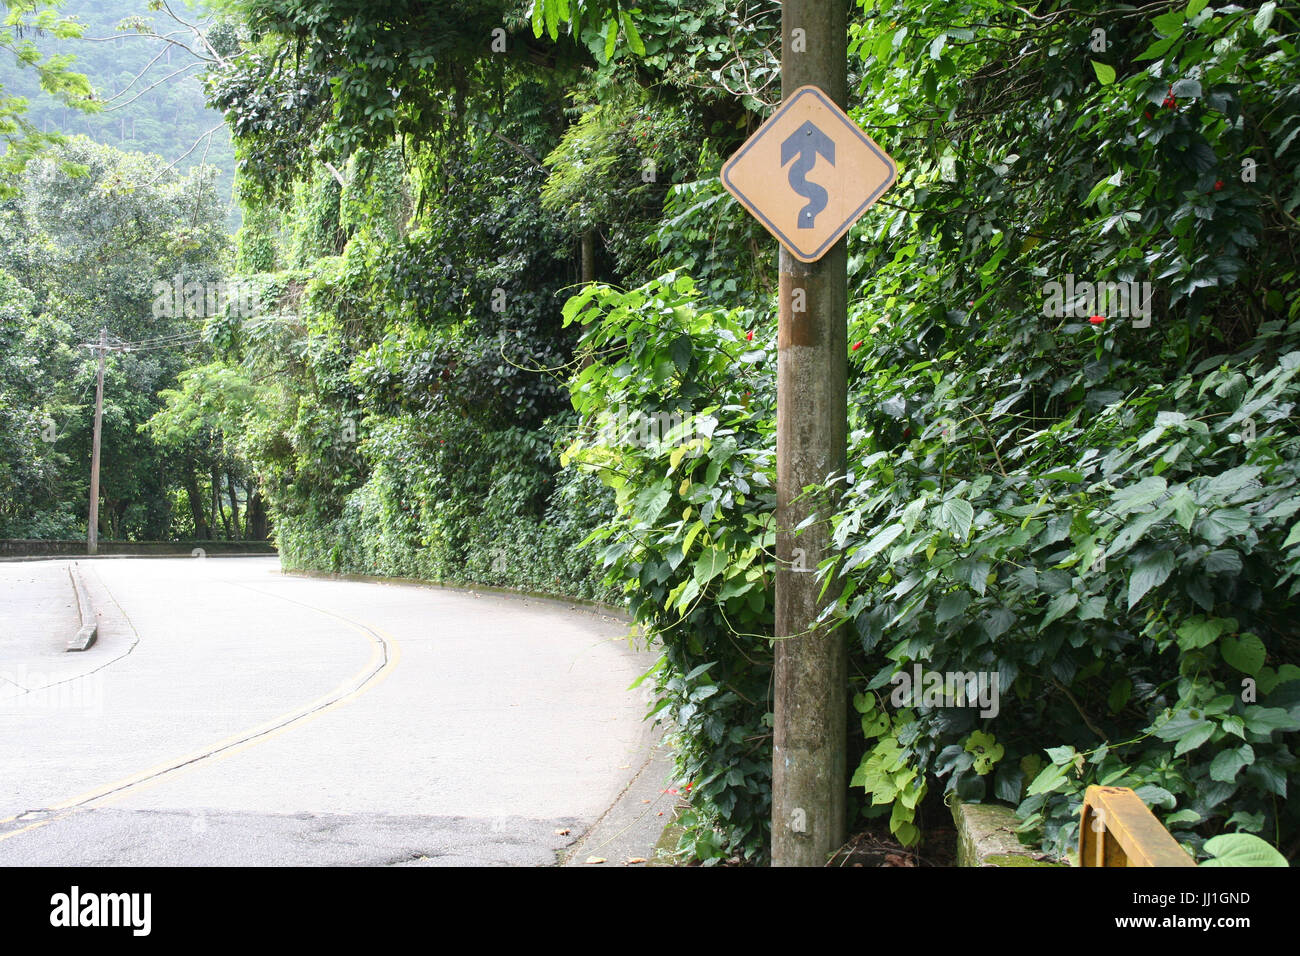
column 234, row 504
column 256, row 518
column 218, row 512
column 589, row 255
column 201, row 530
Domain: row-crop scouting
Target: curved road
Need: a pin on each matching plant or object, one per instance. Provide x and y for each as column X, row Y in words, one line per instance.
column 230, row 714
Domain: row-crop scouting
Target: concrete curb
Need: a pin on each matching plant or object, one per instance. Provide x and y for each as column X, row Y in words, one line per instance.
column 85, row 637
column 632, row 828
column 986, row 837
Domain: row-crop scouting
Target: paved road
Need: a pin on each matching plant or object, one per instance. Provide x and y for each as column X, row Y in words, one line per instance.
column 230, row 714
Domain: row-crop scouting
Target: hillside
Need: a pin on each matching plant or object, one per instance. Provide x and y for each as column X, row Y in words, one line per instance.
column 153, row 92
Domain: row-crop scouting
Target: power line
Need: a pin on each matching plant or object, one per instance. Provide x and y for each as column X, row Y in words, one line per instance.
column 178, row 340
column 163, row 345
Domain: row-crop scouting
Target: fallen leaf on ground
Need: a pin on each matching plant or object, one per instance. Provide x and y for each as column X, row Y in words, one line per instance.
column 595, row 859
column 563, row 832
column 636, row 859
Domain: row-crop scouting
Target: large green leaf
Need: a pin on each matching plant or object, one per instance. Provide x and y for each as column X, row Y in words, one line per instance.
column 1135, row 497
column 952, row 604
column 1246, row 653
column 711, row 563
column 1193, row 738
column 651, row 502
column 1227, row 765
column 1266, row 720
column 879, row 541
column 1152, row 571
column 1198, row 631
column 1241, row 849
column 1052, row 778
column 956, row 515
column 1059, row 605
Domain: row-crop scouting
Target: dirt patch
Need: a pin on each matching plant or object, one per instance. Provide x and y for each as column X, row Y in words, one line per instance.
column 877, row 847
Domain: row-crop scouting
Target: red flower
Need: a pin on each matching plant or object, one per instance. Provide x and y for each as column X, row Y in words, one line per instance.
column 1096, row 319
column 749, row 336
column 856, row 346
column 1218, row 184
column 1147, row 113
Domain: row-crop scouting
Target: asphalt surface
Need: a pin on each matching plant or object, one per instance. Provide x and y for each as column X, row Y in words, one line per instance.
column 233, row 715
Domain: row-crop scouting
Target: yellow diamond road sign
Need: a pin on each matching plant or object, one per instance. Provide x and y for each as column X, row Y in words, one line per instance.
column 808, row 173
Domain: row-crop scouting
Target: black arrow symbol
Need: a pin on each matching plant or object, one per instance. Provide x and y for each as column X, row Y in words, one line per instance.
column 806, row 142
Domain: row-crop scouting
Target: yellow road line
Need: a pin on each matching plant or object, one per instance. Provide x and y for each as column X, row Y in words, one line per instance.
column 384, row 648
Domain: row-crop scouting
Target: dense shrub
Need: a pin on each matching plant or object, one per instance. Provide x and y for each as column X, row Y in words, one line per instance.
column 509, row 522
column 677, row 400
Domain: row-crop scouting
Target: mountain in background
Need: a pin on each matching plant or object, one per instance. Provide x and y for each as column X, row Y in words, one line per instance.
column 152, row 89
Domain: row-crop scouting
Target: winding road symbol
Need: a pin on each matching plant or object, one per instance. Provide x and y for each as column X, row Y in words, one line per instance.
column 806, row 143
column 808, row 173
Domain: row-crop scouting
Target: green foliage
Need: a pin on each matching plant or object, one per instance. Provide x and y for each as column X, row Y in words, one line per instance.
column 668, row 404
column 135, row 91
column 1099, row 513
column 613, row 169
column 701, row 235
column 31, row 414
column 885, row 773
column 257, row 242
column 404, row 429
column 375, row 194
column 88, row 251
column 609, row 20
column 315, row 80
column 1241, row 849
column 313, row 230
column 20, row 58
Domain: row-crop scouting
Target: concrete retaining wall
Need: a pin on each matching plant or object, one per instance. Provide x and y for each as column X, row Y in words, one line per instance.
column 986, row 836
column 16, row 548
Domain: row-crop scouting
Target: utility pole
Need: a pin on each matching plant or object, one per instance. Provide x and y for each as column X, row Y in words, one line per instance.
column 809, row 775
column 92, row 524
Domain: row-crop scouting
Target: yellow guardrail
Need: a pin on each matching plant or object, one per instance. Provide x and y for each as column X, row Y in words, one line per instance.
column 1117, row 829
